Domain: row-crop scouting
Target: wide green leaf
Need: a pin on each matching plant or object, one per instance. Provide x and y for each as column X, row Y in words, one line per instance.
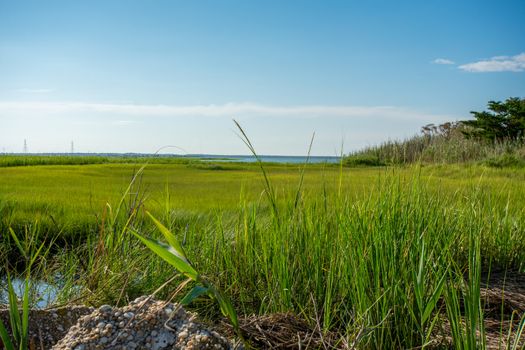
column 196, row 292
column 174, row 254
column 170, row 237
column 169, row 255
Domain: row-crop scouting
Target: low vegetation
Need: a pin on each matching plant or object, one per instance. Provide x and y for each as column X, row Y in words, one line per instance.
column 13, row 160
column 378, row 256
column 495, row 138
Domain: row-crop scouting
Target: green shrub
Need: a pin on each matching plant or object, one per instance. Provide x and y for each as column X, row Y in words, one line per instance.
column 364, row 160
column 505, row 160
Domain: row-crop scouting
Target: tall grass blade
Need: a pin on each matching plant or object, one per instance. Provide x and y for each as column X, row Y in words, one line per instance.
column 25, row 314
column 303, row 169
column 4, row 337
column 269, row 189
column 432, row 302
column 14, row 314
column 520, row 331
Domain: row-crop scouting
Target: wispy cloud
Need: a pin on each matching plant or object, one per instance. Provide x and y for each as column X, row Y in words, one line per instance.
column 497, row 64
column 230, row 110
column 125, row 122
column 34, row 91
column 442, row 61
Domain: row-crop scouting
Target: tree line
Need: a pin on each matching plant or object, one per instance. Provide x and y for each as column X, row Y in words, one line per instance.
column 502, row 121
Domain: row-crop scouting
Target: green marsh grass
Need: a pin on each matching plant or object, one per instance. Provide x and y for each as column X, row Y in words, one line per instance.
column 33, row 253
column 381, row 256
column 448, row 148
column 14, row 160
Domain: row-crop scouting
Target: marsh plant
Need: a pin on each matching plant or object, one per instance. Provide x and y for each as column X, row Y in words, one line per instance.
column 32, row 252
column 173, row 253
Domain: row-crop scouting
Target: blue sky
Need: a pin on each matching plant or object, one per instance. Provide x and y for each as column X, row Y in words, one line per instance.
column 133, row 76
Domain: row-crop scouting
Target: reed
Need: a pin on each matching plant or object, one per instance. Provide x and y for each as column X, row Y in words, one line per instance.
column 32, row 253
column 441, row 149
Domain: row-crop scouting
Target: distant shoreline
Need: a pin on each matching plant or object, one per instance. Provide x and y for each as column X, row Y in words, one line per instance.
column 237, row 158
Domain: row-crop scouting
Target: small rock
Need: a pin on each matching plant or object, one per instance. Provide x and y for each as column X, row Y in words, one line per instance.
column 183, row 335
column 140, row 299
column 105, row 308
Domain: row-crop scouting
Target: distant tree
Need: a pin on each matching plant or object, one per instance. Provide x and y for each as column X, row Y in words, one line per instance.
column 445, row 130
column 504, row 120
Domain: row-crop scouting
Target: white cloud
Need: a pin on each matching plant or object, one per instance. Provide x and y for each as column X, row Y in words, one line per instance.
column 497, row 64
column 125, row 122
column 123, row 127
column 230, row 110
column 442, row 61
column 34, row 91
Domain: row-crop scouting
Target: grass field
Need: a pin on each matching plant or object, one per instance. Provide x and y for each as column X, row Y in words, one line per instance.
column 74, row 195
column 382, row 257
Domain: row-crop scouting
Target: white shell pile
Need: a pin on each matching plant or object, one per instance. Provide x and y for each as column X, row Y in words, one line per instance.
column 144, row 324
